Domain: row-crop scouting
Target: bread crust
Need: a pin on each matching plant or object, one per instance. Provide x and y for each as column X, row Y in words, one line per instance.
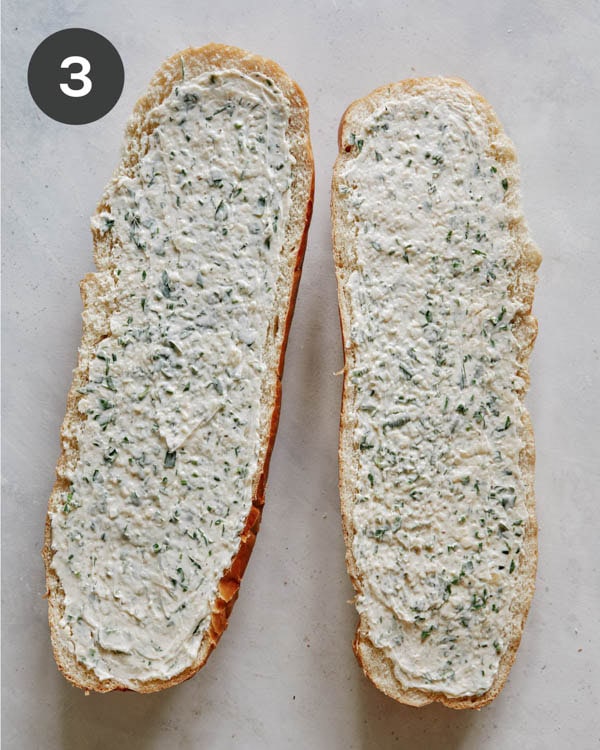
column 376, row 665
column 95, row 291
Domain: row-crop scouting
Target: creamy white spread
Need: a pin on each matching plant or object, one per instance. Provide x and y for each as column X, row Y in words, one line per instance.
column 168, row 447
column 439, row 510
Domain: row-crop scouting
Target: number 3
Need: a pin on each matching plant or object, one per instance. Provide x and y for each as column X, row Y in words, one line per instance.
column 80, row 75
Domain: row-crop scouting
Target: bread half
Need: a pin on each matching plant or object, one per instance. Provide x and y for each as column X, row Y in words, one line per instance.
column 436, row 273
column 171, row 417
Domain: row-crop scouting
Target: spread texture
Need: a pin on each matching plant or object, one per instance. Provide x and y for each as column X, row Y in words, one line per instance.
column 437, row 506
column 176, row 404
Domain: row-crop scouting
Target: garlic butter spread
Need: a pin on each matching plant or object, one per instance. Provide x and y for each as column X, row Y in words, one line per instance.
column 438, row 508
column 169, row 446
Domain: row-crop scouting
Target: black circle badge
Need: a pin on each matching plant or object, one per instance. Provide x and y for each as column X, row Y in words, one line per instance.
column 75, row 76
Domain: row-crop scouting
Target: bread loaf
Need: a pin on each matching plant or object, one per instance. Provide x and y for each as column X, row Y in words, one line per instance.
column 198, row 243
column 436, row 273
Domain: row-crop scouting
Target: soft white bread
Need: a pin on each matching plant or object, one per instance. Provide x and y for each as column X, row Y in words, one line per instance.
column 199, row 253
column 436, row 274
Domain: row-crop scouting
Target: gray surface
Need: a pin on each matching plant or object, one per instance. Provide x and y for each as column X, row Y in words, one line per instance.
column 284, row 674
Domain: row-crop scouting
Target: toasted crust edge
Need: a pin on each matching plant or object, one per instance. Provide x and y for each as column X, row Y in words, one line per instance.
column 376, row 665
column 191, row 61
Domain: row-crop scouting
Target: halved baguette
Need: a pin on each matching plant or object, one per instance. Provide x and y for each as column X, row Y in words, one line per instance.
column 199, row 252
column 436, row 274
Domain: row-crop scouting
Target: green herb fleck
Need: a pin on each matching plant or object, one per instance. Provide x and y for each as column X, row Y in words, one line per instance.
column 144, row 393
column 170, row 458
column 406, row 372
column 364, row 444
column 221, row 212
column 426, row 633
column 478, row 602
column 165, row 285
column 394, row 423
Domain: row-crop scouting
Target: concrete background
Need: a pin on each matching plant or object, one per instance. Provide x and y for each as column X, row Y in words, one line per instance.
column 284, row 675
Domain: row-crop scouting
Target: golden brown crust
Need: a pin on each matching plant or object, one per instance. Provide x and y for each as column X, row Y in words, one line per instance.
column 376, row 665
column 96, row 296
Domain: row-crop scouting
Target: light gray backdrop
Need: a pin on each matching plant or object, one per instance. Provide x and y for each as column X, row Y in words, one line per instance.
column 284, row 675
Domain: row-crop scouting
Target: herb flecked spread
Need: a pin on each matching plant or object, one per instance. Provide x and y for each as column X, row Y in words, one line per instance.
column 169, row 443
column 439, row 504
